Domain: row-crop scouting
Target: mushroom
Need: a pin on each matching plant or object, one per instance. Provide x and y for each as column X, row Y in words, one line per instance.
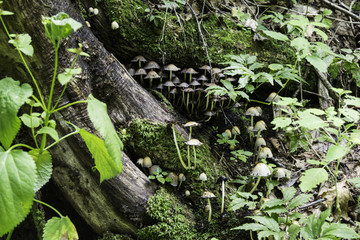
column 95, row 11
column 193, row 142
column 191, row 124
column 205, row 68
column 139, row 59
column 190, row 71
column 151, row 75
column 187, row 193
column 264, row 153
column 174, row 179
column 91, row 10
column 131, row 71
column 114, row 25
column 235, row 131
column 152, row 65
column 281, row 173
column 202, row 178
column 209, row 114
column 177, row 147
column 252, row 111
column 259, row 127
column 182, row 178
column 203, row 79
column 260, row 142
column 171, row 68
column 273, row 97
column 140, row 72
column 169, row 84
column 187, row 91
column 147, row 163
column 153, row 169
column 222, row 180
column 259, row 171
column 207, row 195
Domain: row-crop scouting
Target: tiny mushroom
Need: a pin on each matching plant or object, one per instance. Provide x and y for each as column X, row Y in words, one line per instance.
column 193, row 142
column 260, row 142
column 151, row 75
column 202, row 178
column 154, row 168
column 91, row 10
column 95, row 11
column 141, row 72
column 114, row 25
column 222, row 180
column 281, row 173
column 187, row 193
column 191, row 124
column 174, row 179
column 273, row 97
column 235, row 131
column 259, row 127
column 207, row 195
column 259, row 171
column 264, row 153
column 147, row 163
column 171, row 68
column 182, row 178
column 252, row 111
column 139, row 59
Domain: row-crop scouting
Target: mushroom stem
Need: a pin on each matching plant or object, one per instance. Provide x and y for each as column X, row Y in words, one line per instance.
column 210, row 210
column 222, row 196
column 177, row 147
column 255, row 186
column 194, row 157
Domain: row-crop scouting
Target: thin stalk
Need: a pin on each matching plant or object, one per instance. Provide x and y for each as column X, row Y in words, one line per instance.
column 20, row 145
column 177, row 147
column 49, row 206
column 8, row 237
column 32, row 129
column 210, row 210
column 194, row 157
column 336, row 190
column 60, row 139
column 222, row 196
column 256, row 184
column 68, row 105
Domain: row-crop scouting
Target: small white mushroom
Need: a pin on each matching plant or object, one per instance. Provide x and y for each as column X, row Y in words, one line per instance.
column 265, row 152
column 96, row 11
column 114, row 25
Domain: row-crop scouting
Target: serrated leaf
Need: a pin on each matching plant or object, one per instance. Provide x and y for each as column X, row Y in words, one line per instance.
column 22, row 42
column 106, row 166
column 50, row 131
column 98, row 115
column 288, row 193
column 310, row 121
column 281, row 122
column 312, row 177
column 275, row 67
column 31, row 121
column 318, row 63
column 350, row 114
column 321, row 33
column 65, row 77
column 299, row 200
column 251, row 227
column 266, row 234
column 355, row 137
column 336, row 152
column 272, row 203
column 60, row 228
column 355, row 181
column 301, row 44
column 267, row 221
column 17, row 180
column 276, row 210
column 341, row 231
column 43, row 167
column 276, row 35
column 12, row 97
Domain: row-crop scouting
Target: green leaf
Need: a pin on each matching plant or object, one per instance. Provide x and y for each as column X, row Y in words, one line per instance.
column 267, row 221
column 341, row 231
column 12, row 97
column 321, row 34
column 293, row 231
column 318, row 63
column 98, row 115
column 355, row 137
column 275, row 67
column 65, row 77
column 350, row 114
column 327, row 12
column 17, row 180
column 106, row 166
column 251, row 227
column 299, row 200
column 59, row 26
column 60, row 228
column 310, row 121
column 43, row 167
column 301, row 44
column 355, row 181
column 313, row 225
column 281, row 122
column 276, row 210
column 276, row 35
column 50, row 131
column 288, row 193
column 5, row 13
column 272, row 202
column 32, row 121
column 22, row 42
column 312, row 177
column 336, row 152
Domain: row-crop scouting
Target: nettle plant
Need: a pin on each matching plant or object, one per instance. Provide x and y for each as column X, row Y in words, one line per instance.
column 337, row 128
column 23, row 173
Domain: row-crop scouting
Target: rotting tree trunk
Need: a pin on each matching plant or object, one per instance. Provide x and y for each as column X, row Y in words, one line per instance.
column 116, row 205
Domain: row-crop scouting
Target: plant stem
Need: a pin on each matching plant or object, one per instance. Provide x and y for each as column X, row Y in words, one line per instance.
column 177, row 147
column 8, row 237
column 256, row 184
column 66, row 136
column 20, row 145
column 210, row 210
column 49, row 206
column 194, row 157
column 222, row 196
column 68, row 105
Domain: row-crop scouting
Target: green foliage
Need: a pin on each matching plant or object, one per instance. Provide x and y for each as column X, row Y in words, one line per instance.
column 43, row 163
column 241, row 155
column 17, row 181
column 160, row 175
column 22, row 43
column 60, row 228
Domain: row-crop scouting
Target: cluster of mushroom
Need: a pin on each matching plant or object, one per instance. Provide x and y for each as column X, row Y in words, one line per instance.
column 185, row 88
column 176, row 179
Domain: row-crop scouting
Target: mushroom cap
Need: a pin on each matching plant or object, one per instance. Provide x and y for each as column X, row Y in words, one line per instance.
column 154, row 168
column 140, row 71
column 139, row 58
column 273, row 97
column 152, row 74
column 160, row 86
column 210, row 113
column 140, row 161
column 202, row 177
column 227, row 133
column 252, row 112
column 95, row 11
column 174, row 91
column 222, row 179
column 176, row 80
column 147, row 162
column 171, row 67
column 188, row 90
column 281, row 172
column 235, row 130
column 187, row 193
column 231, row 79
column 190, row 70
column 184, row 85
column 191, row 124
column 114, row 25
column 259, row 109
column 182, row 177
column 216, row 70
column 265, row 152
column 250, row 129
column 194, row 83
column 131, row 71
column 194, row 142
column 169, row 84
column 259, row 126
column 203, row 78
column 174, row 179
column 205, row 67
column 208, row 84
column 208, row 194
column 91, row 9
column 260, row 170
column 260, row 142
column 152, row 65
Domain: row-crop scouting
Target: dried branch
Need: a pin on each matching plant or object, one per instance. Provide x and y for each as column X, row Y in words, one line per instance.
column 337, row 7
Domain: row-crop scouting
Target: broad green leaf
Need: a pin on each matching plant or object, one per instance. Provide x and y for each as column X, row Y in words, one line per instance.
column 318, row 63
column 281, row 122
column 341, row 91
column 50, row 131
column 266, row 234
column 288, row 193
column 355, row 137
column 22, row 42
column 312, row 177
column 310, row 121
column 60, row 228
column 341, row 231
column 275, row 67
column 336, row 152
column 338, row 122
column 355, row 181
column 5, row 13
column 327, row 12
column 301, row 44
column 276, row 35
column 12, row 97
column 251, row 227
column 352, row 101
column 321, row 34
column 299, row 200
column 272, row 202
column 293, row 231
column 59, row 26
column 106, row 166
column 267, row 221
column 314, row 111
column 350, row 114
column 98, row 115
column 17, row 181
column 43, row 167
column 313, row 225
column 65, row 77
column 32, row 121
column 276, row 210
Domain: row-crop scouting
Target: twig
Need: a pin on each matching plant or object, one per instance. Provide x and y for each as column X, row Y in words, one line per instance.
column 312, row 203
column 337, row 7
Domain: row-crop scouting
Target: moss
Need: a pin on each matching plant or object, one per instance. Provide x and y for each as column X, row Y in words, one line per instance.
column 38, row 216
column 174, row 220
column 112, row 236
